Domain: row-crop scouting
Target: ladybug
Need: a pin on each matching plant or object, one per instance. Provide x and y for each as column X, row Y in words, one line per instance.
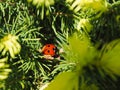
column 49, row 49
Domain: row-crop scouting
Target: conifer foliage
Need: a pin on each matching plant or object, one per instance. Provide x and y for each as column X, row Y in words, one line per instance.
column 86, row 35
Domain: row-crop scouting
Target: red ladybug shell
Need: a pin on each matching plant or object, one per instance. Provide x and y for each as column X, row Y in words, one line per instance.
column 49, row 49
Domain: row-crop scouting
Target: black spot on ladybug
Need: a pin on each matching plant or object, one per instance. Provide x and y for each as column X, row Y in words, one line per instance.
column 54, row 49
column 48, row 46
column 48, row 51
